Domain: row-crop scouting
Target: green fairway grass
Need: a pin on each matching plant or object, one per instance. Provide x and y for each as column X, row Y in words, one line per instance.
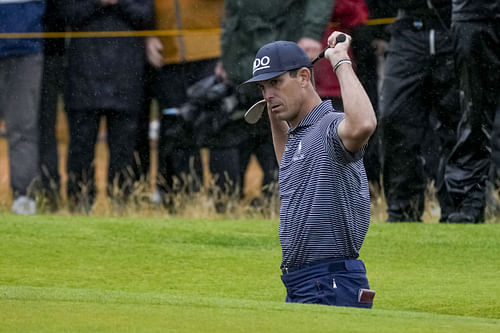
column 98, row 274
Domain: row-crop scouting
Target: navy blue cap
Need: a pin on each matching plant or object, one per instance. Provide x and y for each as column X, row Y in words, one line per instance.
column 277, row 58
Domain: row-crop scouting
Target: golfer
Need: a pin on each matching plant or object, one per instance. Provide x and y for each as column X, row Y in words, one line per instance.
column 325, row 202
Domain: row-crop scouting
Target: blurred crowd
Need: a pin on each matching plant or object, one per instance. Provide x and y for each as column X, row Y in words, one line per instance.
column 430, row 67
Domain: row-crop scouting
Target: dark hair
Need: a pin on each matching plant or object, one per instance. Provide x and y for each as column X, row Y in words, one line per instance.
column 293, row 73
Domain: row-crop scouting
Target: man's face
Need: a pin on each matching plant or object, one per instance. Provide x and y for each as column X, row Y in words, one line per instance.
column 283, row 96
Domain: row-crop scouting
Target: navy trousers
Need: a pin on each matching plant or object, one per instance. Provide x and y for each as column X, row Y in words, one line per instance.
column 330, row 283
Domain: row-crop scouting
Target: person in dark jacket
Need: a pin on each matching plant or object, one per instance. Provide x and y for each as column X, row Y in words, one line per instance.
column 419, row 99
column 105, row 79
column 476, row 33
column 52, row 87
column 247, row 26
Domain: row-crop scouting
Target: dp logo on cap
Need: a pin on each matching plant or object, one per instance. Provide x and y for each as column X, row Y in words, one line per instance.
column 261, row 63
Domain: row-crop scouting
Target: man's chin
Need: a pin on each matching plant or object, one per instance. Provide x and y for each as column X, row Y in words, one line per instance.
column 279, row 112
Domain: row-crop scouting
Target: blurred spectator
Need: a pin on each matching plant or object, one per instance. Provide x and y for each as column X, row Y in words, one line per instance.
column 105, row 79
column 419, row 93
column 247, row 26
column 476, row 33
column 21, row 62
column 179, row 62
column 52, row 88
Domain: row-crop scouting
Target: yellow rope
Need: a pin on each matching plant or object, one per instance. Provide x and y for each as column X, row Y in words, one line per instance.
column 380, row 21
column 97, row 34
column 144, row 33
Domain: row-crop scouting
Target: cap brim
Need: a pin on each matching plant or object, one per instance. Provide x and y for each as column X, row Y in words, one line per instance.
column 255, row 112
column 263, row 77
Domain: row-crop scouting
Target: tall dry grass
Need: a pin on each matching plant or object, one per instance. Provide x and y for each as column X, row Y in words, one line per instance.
column 198, row 205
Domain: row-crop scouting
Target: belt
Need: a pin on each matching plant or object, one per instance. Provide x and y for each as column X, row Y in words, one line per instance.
column 336, row 264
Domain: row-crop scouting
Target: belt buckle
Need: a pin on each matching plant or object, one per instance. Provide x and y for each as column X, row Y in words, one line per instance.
column 285, row 270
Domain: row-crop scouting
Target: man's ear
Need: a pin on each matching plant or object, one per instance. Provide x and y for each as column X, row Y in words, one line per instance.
column 304, row 74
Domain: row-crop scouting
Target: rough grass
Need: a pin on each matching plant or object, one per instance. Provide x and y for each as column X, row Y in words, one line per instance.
column 199, row 206
column 69, row 273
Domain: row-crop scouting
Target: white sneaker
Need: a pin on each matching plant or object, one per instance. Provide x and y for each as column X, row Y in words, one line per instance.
column 24, row 206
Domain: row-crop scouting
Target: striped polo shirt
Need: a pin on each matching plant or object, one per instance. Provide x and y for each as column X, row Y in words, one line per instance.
column 325, row 201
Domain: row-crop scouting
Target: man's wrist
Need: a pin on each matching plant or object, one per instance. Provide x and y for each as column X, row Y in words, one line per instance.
column 341, row 62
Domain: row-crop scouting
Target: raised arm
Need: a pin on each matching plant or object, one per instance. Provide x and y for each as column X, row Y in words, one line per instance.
column 360, row 120
column 278, row 129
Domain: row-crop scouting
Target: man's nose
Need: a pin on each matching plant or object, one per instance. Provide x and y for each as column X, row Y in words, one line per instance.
column 267, row 94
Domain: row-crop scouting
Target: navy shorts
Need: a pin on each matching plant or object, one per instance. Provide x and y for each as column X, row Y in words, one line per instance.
column 336, row 282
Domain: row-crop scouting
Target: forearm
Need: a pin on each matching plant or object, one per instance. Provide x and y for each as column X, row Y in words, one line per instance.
column 278, row 129
column 360, row 120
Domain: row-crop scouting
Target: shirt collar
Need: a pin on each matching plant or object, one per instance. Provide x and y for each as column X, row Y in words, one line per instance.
column 318, row 112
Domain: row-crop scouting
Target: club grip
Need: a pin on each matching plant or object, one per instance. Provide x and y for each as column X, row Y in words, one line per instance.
column 340, row 39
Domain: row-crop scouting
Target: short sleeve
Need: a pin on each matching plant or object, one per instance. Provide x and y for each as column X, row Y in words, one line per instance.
column 334, row 144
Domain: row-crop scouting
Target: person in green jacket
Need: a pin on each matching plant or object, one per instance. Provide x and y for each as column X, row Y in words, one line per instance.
column 246, row 27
